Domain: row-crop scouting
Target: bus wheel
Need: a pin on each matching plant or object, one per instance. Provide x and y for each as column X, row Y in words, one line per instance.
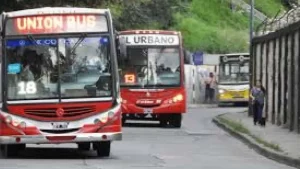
column 123, row 121
column 84, row 146
column 163, row 122
column 102, row 148
column 12, row 150
column 176, row 120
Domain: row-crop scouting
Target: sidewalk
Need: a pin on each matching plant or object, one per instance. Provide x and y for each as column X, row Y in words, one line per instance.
column 272, row 141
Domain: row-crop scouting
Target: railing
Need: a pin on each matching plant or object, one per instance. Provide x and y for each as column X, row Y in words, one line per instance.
column 279, row 21
column 275, row 61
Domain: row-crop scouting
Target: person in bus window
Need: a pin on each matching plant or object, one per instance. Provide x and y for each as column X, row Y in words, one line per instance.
column 257, row 95
column 26, row 74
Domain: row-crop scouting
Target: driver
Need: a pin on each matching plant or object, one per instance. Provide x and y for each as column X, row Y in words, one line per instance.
column 26, row 74
column 104, row 83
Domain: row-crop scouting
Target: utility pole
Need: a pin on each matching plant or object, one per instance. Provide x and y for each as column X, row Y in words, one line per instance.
column 251, row 20
column 251, row 25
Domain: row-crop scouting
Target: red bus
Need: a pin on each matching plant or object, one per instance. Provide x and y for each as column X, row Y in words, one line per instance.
column 151, row 68
column 60, row 81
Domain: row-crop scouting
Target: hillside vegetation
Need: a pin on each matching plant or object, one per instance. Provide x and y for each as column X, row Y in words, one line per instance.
column 268, row 7
column 207, row 25
column 212, row 27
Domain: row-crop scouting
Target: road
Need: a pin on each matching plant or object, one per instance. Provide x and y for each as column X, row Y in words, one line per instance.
column 198, row 144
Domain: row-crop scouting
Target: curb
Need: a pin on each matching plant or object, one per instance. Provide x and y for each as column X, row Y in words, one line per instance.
column 271, row 154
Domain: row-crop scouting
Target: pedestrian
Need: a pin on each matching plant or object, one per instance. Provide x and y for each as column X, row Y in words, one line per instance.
column 258, row 94
column 210, row 85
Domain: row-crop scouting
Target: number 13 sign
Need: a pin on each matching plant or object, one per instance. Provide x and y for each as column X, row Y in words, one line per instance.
column 129, row 78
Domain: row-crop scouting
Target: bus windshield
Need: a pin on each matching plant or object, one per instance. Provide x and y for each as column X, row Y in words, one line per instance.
column 234, row 73
column 150, row 67
column 69, row 67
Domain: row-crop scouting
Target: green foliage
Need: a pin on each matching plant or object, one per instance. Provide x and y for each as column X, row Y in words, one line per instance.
column 212, row 27
column 207, row 25
column 236, row 126
column 240, row 128
column 268, row 7
column 147, row 14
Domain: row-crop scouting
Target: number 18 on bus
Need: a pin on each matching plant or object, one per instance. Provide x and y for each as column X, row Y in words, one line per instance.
column 59, row 79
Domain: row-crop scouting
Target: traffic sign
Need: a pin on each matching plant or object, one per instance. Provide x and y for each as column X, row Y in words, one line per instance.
column 198, row 58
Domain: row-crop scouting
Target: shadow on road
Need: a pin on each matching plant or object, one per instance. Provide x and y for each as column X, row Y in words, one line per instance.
column 237, row 105
column 55, row 153
column 142, row 125
column 146, row 124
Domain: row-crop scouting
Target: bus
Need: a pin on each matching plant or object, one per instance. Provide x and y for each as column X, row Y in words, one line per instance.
column 151, row 68
column 60, row 81
column 234, row 79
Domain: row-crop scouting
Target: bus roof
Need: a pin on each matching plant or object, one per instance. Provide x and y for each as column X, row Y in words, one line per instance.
column 55, row 10
column 149, row 31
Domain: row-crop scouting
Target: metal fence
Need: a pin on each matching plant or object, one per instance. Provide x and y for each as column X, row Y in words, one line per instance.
column 275, row 61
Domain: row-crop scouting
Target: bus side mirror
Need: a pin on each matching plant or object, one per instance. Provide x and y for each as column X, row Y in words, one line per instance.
column 122, row 48
column 187, row 57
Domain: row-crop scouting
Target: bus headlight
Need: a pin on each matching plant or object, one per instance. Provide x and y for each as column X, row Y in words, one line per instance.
column 8, row 119
column 23, row 124
column 104, row 117
column 120, row 100
column 111, row 114
column 221, row 91
column 177, row 98
column 96, row 121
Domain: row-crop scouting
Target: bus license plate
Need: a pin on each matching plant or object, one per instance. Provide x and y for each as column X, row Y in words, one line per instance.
column 148, row 111
column 237, row 95
column 60, row 125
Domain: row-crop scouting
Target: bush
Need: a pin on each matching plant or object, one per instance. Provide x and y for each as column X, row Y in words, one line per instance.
column 268, row 7
column 212, row 27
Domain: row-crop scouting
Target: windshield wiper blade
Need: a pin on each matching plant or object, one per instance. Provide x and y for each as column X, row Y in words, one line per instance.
column 32, row 39
column 80, row 40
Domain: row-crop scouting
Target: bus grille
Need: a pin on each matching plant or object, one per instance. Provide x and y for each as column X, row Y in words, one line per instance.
column 68, row 111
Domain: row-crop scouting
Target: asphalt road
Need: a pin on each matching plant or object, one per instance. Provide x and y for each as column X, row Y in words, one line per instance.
column 198, row 144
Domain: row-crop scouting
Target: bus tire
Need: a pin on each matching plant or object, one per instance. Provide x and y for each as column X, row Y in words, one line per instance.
column 12, row 150
column 176, row 120
column 103, row 148
column 163, row 122
column 123, row 121
column 84, row 146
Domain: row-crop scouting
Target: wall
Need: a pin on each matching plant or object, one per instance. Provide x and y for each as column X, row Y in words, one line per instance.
column 191, row 84
column 194, row 82
column 275, row 61
column 211, row 59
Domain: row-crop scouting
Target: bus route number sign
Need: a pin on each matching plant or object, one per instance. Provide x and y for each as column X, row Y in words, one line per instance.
column 129, row 78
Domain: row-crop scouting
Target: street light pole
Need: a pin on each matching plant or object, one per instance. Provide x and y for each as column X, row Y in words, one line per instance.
column 250, row 112
column 251, row 19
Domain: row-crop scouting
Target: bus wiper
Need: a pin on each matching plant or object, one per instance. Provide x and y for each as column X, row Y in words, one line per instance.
column 80, row 40
column 32, row 39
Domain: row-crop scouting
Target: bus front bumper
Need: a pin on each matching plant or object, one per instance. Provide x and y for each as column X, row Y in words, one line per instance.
column 233, row 100
column 56, row 139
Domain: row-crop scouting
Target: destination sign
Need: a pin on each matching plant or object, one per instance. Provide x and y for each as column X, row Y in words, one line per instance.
column 147, row 39
column 46, row 24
